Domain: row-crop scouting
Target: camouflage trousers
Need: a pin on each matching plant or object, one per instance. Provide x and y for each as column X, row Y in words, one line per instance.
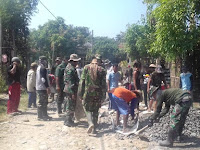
column 43, row 98
column 70, row 105
column 95, row 115
column 179, row 115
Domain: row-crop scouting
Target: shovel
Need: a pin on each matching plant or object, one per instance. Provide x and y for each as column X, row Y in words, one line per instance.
column 132, row 130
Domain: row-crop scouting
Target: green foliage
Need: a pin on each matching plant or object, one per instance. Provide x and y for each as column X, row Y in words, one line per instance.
column 3, row 86
column 176, row 30
column 65, row 39
column 109, row 49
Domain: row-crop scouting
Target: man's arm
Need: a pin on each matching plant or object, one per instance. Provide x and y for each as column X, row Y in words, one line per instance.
column 134, row 79
column 43, row 73
column 191, row 80
column 165, row 110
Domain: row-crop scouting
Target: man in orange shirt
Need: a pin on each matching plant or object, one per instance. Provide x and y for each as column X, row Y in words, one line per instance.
column 124, row 102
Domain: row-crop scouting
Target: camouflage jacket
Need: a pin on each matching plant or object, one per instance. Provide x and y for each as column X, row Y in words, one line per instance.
column 60, row 73
column 92, row 92
column 70, row 79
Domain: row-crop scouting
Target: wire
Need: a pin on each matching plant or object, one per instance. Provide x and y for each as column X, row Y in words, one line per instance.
column 48, row 10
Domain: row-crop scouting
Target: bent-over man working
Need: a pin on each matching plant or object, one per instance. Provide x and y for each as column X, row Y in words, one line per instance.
column 182, row 101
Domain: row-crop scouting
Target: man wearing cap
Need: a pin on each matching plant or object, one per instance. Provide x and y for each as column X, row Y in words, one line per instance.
column 42, row 87
column 99, row 59
column 182, row 101
column 60, row 84
column 57, row 62
column 91, row 91
column 14, row 74
column 71, row 82
column 31, row 83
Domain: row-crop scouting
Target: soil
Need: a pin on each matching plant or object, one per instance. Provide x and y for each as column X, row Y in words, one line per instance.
column 25, row 132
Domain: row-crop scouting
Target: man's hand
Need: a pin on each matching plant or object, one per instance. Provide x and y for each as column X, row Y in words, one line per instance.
column 48, row 91
column 150, row 123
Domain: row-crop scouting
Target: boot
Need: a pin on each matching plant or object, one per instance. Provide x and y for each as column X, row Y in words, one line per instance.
column 45, row 115
column 95, row 120
column 68, row 121
column 170, row 139
column 40, row 113
column 89, row 118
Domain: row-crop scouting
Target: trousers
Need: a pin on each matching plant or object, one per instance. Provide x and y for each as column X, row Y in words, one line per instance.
column 14, row 97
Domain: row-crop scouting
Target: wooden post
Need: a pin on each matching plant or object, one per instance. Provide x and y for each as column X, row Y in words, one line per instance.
column 0, row 43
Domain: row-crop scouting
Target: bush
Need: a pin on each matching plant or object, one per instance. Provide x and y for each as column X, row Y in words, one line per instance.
column 3, row 86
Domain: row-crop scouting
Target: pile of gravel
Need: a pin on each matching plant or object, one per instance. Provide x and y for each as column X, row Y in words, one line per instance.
column 159, row 130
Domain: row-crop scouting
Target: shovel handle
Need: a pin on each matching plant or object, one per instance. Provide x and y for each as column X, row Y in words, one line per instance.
column 141, row 130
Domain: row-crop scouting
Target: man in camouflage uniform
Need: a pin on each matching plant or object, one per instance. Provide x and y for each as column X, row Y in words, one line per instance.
column 71, row 81
column 92, row 89
column 182, row 101
column 60, row 84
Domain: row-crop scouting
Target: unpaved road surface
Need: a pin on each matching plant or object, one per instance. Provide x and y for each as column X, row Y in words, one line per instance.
column 25, row 132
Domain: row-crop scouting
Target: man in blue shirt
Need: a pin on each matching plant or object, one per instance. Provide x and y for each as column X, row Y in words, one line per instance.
column 186, row 79
column 112, row 80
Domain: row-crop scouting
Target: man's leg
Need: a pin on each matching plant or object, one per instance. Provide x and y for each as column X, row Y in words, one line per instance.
column 60, row 99
column 90, row 121
column 117, row 118
column 175, row 118
column 34, row 99
column 44, row 105
column 40, row 104
column 10, row 101
column 16, row 92
column 95, row 115
column 125, row 119
column 70, row 108
column 29, row 100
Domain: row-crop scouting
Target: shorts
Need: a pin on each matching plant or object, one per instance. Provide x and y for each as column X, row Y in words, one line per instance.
column 158, row 93
column 120, row 105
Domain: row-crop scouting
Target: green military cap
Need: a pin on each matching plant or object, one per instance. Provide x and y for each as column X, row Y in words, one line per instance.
column 42, row 58
column 15, row 59
column 98, row 56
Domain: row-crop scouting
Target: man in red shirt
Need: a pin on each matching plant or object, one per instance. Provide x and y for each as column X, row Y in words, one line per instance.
column 120, row 99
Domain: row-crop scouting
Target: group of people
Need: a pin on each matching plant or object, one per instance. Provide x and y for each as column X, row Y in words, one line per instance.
column 89, row 88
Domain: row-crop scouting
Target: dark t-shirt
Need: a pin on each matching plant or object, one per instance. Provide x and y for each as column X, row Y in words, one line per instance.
column 13, row 77
column 157, row 79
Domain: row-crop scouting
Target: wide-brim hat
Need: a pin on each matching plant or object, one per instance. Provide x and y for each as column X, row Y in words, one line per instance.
column 74, row 57
column 153, row 90
column 152, row 66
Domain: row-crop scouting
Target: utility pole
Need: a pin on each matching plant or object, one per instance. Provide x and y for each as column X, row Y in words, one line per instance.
column 53, row 53
column 92, row 42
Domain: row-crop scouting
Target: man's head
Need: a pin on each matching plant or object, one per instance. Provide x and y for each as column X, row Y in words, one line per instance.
column 152, row 68
column 184, row 69
column 99, row 59
column 74, row 59
column 16, row 60
column 137, row 64
column 43, row 61
column 34, row 66
column 115, row 67
column 58, row 60
column 159, row 69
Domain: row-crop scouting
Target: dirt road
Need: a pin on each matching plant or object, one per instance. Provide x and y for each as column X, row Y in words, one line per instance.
column 25, row 132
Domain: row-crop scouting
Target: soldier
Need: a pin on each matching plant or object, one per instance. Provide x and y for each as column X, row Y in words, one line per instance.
column 182, row 101
column 92, row 89
column 60, row 84
column 42, row 88
column 71, row 87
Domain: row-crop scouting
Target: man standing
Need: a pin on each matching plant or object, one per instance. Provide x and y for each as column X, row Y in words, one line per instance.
column 42, row 87
column 60, row 84
column 71, row 87
column 14, row 86
column 31, row 83
column 186, row 80
column 182, row 101
column 92, row 89
column 112, row 80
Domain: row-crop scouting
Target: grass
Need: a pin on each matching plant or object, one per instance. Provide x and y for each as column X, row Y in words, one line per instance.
column 3, row 106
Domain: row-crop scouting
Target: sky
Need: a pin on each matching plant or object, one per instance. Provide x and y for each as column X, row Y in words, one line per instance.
column 104, row 17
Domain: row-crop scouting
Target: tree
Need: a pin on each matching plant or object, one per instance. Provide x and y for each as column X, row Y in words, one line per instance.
column 63, row 39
